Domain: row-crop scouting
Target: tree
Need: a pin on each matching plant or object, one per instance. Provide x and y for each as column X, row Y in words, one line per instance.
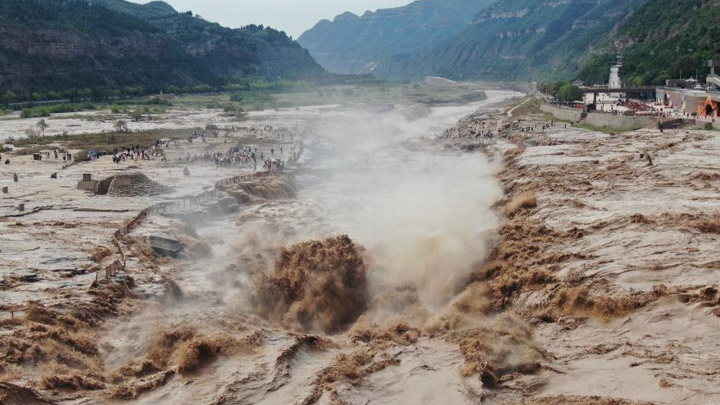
column 136, row 115
column 550, row 88
column 42, row 126
column 637, row 80
column 121, row 126
column 31, row 133
column 569, row 92
column 9, row 96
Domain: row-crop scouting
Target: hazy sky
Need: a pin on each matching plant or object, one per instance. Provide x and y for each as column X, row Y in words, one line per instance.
column 291, row 16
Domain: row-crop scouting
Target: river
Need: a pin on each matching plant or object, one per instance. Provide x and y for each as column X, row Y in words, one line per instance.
column 423, row 215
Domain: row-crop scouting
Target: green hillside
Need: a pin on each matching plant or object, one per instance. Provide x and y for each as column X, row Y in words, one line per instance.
column 62, row 48
column 520, row 39
column 564, row 39
column 358, row 44
column 154, row 9
column 661, row 39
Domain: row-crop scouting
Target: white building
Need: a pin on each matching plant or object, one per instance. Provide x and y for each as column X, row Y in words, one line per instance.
column 614, row 81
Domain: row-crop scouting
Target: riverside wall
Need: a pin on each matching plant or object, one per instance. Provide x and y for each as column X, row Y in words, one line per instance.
column 565, row 114
column 616, row 122
column 619, row 122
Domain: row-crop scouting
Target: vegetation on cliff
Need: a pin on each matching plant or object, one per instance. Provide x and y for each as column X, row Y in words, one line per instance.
column 77, row 49
column 559, row 40
column 520, row 40
column 660, row 40
column 358, row 44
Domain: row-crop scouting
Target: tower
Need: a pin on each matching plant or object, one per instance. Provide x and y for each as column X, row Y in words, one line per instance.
column 614, row 81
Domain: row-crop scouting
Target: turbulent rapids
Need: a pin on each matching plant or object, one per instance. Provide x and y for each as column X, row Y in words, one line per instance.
column 272, row 306
column 404, row 258
column 316, row 286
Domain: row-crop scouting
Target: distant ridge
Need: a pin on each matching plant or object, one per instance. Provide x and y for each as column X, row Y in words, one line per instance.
column 519, row 39
column 523, row 40
column 566, row 39
column 153, row 9
column 359, row 44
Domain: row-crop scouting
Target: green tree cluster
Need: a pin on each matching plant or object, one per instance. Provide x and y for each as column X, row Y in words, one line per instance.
column 561, row 91
column 46, row 111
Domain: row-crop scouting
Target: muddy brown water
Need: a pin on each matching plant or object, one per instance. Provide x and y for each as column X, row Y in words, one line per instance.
column 423, row 216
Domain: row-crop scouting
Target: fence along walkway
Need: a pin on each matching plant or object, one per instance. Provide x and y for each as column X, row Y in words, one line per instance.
column 183, row 203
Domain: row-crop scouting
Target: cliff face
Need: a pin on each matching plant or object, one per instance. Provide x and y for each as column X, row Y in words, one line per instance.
column 252, row 50
column 62, row 45
column 520, row 39
column 359, row 44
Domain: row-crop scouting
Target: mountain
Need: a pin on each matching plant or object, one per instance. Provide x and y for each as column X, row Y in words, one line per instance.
column 154, row 9
column 64, row 46
column 520, row 39
column 251, row 50
column 661, row 39
column 358, row 44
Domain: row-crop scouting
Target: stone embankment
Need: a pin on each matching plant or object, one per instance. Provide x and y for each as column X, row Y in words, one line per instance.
column 615, row 122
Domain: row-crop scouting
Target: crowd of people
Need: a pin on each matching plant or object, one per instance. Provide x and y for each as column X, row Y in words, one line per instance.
column 133, row 152
column 57, row 153
column 241, row 155
column 480, row 130
column 235, row 155
column 247, row 155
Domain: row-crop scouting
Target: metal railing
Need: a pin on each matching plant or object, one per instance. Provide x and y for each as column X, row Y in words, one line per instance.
column 197, row 200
